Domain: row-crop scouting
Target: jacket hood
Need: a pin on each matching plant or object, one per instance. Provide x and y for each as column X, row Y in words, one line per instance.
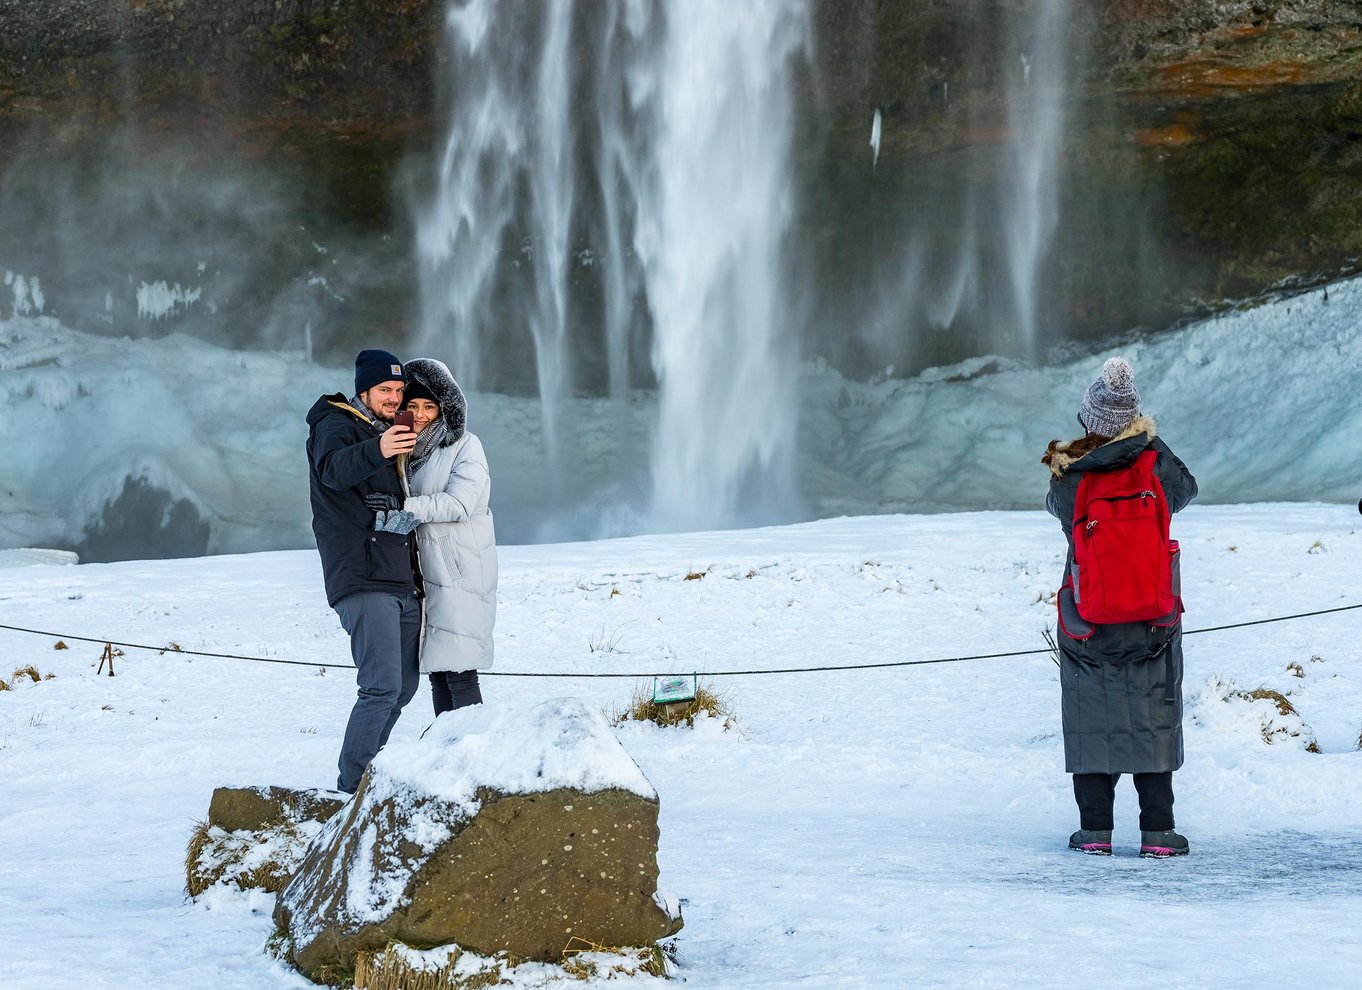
column 448, row 396
column 328, row 405
column 1111, row 453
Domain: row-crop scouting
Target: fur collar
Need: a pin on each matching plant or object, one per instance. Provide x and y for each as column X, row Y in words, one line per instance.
column 1061, row 460
column 448, row 396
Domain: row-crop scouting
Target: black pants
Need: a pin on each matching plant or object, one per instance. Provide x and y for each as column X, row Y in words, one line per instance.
column 451, row 689
column 1096, row 792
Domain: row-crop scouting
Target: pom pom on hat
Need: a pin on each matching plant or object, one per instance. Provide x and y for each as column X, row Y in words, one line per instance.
column 1112, row 402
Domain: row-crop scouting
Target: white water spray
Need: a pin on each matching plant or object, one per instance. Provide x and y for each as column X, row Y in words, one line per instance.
column 671, row 176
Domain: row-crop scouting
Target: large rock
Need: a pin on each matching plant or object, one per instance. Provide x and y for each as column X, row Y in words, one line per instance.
column 253, row 809
column 256, row 837
column 511, row 831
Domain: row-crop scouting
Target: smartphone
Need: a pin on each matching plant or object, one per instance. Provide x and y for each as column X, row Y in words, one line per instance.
column 405, row 418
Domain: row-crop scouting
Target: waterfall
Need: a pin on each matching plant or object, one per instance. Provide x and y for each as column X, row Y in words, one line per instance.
column 614, row 181
column 1030, row 196
column 962, row 263
column 710, row 242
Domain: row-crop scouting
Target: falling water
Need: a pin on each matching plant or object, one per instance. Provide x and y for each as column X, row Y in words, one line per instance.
column 1030, row 197
column 666, row 193
column 710, row 243
column 964, row 267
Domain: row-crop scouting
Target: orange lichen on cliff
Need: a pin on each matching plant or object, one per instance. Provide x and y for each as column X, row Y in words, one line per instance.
column 1210, row 77
column 1172, row 136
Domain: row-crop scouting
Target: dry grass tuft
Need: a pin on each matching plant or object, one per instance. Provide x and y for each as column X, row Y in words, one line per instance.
column 390, row 969
column 1274, row 731
column 641, row 708
column 695, row 575
column 195, row 882
column 4, row 686
column 621, row 960
column 249, row 861
column 1276, row 697
column 31, row 672
column 394, row 968
column 59, row 645
column 1295, row 669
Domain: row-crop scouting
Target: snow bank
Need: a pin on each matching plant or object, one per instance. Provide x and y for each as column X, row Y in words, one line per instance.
column 204, row 446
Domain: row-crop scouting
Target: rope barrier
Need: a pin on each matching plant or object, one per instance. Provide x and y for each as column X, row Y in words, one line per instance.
column 636, row 676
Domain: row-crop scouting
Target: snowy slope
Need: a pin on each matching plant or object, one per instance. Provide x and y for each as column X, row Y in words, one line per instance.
column 881, row 828
column 1264, row 402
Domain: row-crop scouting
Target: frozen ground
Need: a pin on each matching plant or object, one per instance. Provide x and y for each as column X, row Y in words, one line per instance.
column 884, row 828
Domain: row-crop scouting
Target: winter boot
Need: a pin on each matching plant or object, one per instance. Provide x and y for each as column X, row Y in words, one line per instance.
column 1094, row 842
column 1161, row 845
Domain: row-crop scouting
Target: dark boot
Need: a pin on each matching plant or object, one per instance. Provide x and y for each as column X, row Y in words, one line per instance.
column 1161, row 845
column 1094, row 842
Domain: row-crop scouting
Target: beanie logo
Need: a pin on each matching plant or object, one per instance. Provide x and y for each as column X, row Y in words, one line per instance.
column 396, row 369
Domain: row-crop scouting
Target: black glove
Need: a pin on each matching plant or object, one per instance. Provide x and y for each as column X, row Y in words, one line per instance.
column 383, row 501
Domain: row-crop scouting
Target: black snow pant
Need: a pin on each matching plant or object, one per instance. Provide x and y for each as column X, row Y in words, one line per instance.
column 451, row 689
column 1096, row 793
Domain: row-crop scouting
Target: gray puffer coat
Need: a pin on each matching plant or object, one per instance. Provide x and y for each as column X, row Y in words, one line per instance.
column 1121, row 687
column 450, row 493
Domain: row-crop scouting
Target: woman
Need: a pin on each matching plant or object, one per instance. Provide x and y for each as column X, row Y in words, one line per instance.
column 448, row 492
column 1121, row 682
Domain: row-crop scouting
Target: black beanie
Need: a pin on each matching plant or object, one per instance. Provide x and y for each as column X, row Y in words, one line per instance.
column 373, row 367
column 416, row 389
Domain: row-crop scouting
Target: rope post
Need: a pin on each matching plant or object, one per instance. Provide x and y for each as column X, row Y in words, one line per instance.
column 109, row 656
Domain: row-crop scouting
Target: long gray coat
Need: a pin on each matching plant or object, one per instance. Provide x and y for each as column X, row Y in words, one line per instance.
column 450, row 493
column 1121, row 688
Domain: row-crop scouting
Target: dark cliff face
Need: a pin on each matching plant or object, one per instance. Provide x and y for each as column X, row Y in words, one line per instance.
column 1214, row 148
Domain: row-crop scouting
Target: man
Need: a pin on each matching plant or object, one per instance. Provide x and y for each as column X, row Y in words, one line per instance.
column 368, row 554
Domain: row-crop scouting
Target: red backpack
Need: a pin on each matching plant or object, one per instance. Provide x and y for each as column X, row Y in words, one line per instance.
column 1123, row 558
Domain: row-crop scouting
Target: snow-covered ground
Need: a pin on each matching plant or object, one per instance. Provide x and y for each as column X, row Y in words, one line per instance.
column 881, row 828
column 1264, row 402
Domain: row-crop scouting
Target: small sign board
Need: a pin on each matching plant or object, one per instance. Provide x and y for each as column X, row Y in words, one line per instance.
column 670, row 689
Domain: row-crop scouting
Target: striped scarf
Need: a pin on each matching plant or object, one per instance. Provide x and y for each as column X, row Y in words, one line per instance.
column 431, row 437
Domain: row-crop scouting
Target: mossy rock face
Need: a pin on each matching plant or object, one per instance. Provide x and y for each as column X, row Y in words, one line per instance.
column 254, row 808
column 523, row 876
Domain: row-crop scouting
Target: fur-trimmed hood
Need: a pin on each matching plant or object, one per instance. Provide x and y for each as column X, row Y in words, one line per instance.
column 435, row 376
column 1061, row 459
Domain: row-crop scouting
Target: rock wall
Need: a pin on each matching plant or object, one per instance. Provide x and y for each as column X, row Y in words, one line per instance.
column 1215, row 149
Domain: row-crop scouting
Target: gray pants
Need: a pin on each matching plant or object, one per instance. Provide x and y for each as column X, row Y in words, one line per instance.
column 385, row 636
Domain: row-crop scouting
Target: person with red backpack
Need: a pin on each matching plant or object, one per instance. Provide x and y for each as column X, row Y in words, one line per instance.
column 1114, row 490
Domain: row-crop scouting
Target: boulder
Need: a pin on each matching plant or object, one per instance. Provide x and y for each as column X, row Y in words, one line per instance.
column 512, row 831
column 252, row 809
column 255, row 837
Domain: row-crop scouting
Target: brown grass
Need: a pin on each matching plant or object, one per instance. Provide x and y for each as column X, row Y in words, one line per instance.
column 59, row 645
column 31, row 672
column 4, row 686
column 1284, row 707
column 1276, row 697
column 270, row 876
column 695, row 575
column 1295, row 669
column 640, row 708
column 388, row 970
column 652, row 959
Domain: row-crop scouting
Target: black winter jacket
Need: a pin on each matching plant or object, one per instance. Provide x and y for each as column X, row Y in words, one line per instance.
column 1121, row 684
column 344, row 465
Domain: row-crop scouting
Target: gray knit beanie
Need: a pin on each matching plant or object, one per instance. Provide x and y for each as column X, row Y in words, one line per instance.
column 1112, row 402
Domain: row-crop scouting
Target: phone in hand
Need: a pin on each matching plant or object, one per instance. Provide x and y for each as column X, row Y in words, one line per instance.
column 405, row 418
